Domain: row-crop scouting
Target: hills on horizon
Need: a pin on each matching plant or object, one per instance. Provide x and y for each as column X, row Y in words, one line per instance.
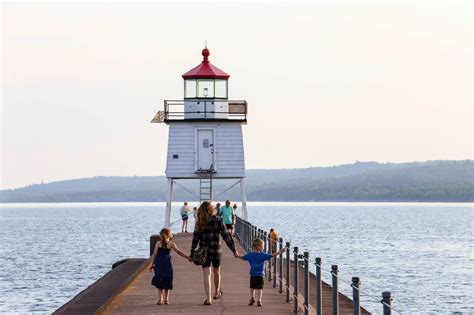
column 430, row 181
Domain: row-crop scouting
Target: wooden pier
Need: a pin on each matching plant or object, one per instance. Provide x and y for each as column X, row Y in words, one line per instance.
column 140, row 297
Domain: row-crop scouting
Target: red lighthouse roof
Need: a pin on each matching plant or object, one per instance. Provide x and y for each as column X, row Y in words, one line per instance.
column 205, row 69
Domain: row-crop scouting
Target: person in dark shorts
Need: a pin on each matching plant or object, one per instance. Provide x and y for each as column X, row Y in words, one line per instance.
column 185, row 211
column 227, row 215
column 256, row 259
column 208, row 230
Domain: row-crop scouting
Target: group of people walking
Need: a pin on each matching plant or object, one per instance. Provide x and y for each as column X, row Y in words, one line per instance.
column 228, row 214
column 212, row 224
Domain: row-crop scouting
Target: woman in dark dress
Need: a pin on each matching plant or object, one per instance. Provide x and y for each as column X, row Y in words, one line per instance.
column 207, row 230
column 163, row 265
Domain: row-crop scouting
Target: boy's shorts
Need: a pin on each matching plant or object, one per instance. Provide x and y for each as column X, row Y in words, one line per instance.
column 256, row 282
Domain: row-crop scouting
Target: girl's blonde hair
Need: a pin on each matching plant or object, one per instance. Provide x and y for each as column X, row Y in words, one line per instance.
column 257, row 242
column 165, row 236
column 205, row 211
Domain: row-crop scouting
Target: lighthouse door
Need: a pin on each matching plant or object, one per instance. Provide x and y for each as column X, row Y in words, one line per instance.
column 205, row 149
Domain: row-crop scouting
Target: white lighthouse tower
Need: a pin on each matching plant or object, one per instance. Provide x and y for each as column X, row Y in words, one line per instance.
column 205, row 134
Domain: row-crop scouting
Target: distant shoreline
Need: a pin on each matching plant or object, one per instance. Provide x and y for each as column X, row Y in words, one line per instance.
column 430, row 181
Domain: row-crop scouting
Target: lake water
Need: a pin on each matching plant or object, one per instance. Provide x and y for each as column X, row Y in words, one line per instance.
column 422, row 253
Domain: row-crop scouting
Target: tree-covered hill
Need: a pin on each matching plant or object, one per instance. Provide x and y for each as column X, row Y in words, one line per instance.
column 361, row 181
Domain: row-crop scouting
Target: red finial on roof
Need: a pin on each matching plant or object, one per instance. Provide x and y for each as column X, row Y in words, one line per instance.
column 205, row 54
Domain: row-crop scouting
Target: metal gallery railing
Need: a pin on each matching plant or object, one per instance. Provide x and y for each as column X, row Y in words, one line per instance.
column 205, row 109
column 287, row 279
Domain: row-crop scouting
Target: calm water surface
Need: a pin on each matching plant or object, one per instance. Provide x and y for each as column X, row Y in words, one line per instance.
column 423, row 253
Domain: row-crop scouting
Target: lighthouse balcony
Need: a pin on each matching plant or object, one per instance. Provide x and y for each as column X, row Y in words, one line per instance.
column 202, row 110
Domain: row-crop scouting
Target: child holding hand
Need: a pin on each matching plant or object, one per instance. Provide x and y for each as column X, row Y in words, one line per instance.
column 256, row 259
column 163, row 265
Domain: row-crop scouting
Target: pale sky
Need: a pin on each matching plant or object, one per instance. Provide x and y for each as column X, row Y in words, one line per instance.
column 327, row 83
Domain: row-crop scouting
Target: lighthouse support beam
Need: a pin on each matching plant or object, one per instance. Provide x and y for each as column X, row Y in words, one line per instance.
column 168, row 203
column 244, row 199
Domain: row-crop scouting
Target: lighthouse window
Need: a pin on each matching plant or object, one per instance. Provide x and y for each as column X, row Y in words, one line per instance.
column 221, row 88
column 190, row 88
column 206, row 88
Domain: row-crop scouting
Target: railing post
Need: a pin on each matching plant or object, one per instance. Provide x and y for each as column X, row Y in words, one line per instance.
column 387, row 303
column 254, row 233
column 306, row 283
column 237, row 225
column 319, row 287
column 267, row 250
column 274, row 250
column 249, row 245
column 242, row 234
column 280, row 269
column 335, row 292
column 287, row 278
column 295, row 279
column 249, row 237
column 244, row 238
column 356, row 295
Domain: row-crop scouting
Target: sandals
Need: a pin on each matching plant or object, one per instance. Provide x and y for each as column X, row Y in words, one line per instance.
column 159, row 302
column 218, row 296
column 167, row 302
column 252, row 301
column 206, row 302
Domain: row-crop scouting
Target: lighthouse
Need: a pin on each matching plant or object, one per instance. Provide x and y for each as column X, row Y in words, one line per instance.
column 205, row 141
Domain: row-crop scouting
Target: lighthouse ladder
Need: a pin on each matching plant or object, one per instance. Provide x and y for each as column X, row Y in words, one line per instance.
column 205, row 185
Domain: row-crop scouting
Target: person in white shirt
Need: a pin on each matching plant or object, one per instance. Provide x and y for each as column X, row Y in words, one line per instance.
column 185, row 211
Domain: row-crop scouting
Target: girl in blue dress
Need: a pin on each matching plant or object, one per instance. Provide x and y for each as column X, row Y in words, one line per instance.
column 163, row 265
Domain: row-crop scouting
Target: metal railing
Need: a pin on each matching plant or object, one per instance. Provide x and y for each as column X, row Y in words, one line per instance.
column 246, row 233
column 175, row 110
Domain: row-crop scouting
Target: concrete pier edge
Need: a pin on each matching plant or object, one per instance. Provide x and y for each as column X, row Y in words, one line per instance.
column 97, row 296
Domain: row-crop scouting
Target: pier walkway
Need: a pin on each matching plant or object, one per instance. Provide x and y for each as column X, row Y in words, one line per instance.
column 187, row 297
column 140, row 297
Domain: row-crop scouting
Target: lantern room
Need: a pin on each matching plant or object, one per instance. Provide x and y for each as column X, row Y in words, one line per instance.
column 205, row 81
column 205, row 91
column 206, row 97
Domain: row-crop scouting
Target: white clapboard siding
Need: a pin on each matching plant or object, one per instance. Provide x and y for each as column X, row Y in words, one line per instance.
column 228, row 149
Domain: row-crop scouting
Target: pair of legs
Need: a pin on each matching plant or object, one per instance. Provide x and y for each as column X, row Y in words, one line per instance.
column 184, row 227
column 230, row 229
column 256, row 293
column 256, row 289
column 163, row 295
column 206, row 271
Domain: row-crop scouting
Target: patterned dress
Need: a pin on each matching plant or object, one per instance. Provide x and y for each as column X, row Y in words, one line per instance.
column 163, row 278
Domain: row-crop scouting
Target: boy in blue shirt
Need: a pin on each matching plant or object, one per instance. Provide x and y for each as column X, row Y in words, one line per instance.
column 256, row 259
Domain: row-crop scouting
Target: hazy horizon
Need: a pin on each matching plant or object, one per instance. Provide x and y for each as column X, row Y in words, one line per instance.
column 327, row 83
